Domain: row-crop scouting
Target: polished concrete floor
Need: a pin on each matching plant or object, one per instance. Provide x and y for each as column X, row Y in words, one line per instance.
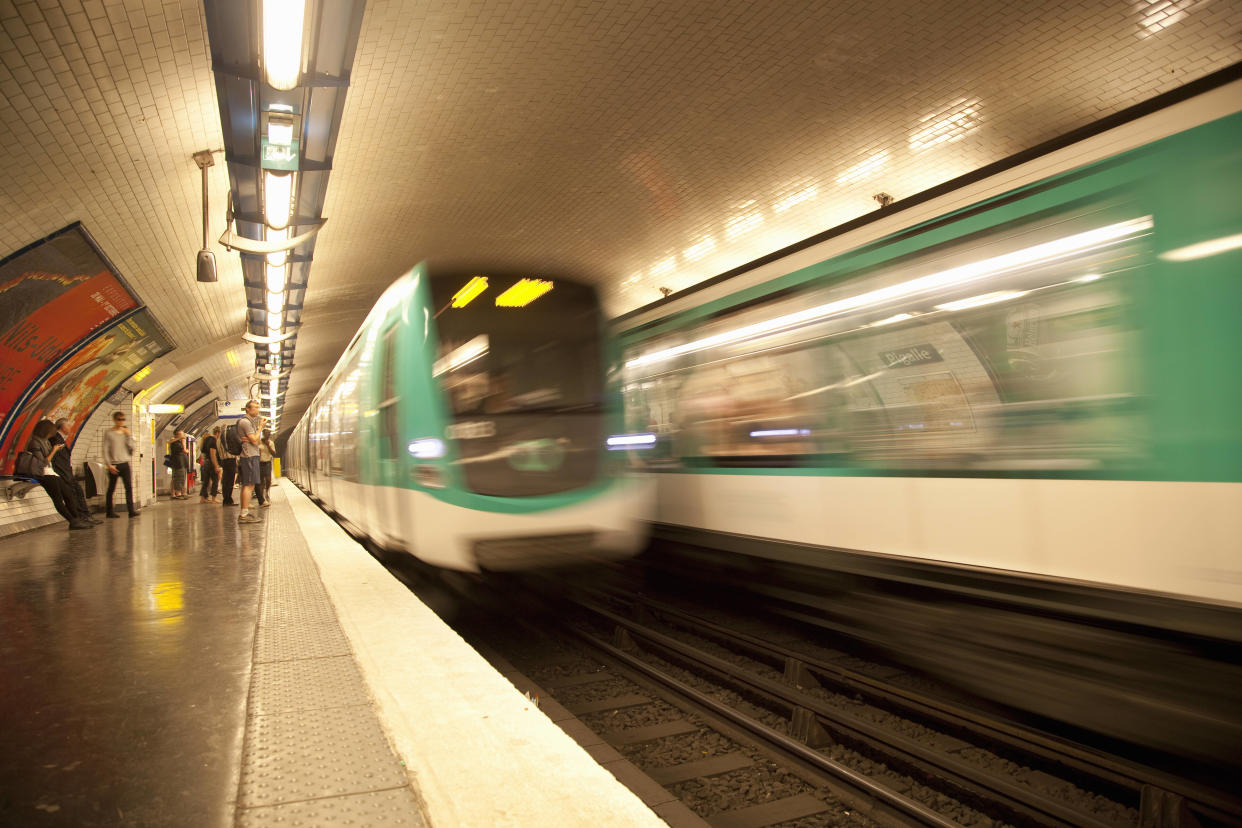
column 125, row 659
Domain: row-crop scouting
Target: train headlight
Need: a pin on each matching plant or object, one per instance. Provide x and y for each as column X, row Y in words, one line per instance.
column 428, row 448
column 619, row 442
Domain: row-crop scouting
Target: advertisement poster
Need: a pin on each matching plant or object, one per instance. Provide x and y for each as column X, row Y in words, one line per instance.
column 86, row 378
column 53, row 296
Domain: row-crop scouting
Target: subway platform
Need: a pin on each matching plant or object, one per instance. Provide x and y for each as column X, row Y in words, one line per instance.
column 180, row 669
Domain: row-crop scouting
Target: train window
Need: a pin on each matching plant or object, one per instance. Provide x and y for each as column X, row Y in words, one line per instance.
column 1009, row 351
column 345, row 422
column 388, row 409
column 524, row 384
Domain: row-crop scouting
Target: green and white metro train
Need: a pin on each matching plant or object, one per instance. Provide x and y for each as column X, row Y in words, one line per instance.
column 467, row 424
column 1024, row 392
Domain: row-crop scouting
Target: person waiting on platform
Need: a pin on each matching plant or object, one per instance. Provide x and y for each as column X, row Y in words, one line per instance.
column 62, row 462
column 248, row 429
column 35, row 462
column 228, row 468
column 209, row 458
column 180, row 464
column 118, row 451
column 266, row 452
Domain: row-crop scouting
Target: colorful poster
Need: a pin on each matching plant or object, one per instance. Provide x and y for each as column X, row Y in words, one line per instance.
column 86, row 378
column 53, row 296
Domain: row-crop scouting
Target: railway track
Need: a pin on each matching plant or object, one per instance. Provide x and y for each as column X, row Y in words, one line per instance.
column 861, row 747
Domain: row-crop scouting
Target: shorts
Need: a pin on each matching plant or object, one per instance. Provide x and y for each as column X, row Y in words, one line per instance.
column 248, row 470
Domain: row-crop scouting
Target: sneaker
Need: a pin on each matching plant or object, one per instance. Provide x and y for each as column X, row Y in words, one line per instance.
column 248, row 519
column 112, row 515
column 266, row 503
column 81, row 524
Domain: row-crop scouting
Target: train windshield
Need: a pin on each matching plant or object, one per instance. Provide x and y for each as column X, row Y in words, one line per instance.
column 520, row 364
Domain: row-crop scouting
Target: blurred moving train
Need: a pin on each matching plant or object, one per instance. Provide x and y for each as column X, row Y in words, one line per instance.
column 1001, row 430
column 467, row 424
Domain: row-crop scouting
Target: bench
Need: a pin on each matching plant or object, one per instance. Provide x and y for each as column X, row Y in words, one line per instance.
column 14, row 485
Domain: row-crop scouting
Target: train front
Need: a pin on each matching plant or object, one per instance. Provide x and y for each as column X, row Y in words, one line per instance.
column 521, row 367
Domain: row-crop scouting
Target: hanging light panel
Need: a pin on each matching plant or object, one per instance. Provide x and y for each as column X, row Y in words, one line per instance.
column 282, row 42
column 277, row 199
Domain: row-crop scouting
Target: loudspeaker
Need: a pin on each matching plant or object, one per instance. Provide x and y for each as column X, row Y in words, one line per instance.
column 206, row 266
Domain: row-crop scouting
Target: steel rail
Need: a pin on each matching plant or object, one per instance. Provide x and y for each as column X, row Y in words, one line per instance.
column 1110, row 770
column 1022, row 802
column 857, row 782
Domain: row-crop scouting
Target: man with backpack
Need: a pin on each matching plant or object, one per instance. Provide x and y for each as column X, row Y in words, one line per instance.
column 210, row 460
column 248, row 429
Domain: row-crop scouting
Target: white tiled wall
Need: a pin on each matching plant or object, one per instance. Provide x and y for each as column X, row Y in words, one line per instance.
column 36, row 508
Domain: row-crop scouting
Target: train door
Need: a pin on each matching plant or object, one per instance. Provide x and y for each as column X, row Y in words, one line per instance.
column 388, row 442
column 322, row 460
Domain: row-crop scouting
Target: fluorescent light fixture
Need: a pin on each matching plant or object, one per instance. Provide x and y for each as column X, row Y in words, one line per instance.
column 864, row 169
column 1090, row 277
column 460, row 356
column 948, row 125
column 282, row 42
column 428, row 448
column 796, row 198
column 471, row 289
column 277, row 199
column 280, row 256
column 142, row 374
column 899, row 317
column 523, row 293
column 231, row 355
column 279, row 129
column 982, row 299
column 700, row 249
column 274, row 321
column 962, row 275
column 276, row 277
column 1203, row 249
column 275, row 302
column 782, row 432
column 165, row 408
column 631, row 441
column 273, row 347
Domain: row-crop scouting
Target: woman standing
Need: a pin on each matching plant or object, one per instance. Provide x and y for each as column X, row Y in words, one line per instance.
column 180, row 464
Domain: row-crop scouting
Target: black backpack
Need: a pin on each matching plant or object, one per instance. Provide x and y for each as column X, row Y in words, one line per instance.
column 232, row 440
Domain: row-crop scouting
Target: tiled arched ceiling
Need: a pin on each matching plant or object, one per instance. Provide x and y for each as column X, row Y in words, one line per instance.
column 642, row 144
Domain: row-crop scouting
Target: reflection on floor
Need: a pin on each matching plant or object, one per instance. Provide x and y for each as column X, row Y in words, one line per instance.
column 125, row 658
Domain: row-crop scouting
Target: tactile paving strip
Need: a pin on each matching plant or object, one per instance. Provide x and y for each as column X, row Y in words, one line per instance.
column 396, row 807
column 312, row 754
column 307, row 684
column 286, row 642
column 315, row 753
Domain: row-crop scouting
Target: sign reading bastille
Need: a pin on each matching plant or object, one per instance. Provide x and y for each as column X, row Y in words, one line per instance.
column 914, row 355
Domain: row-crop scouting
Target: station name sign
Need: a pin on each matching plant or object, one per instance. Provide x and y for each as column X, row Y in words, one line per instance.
column 914, row 355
